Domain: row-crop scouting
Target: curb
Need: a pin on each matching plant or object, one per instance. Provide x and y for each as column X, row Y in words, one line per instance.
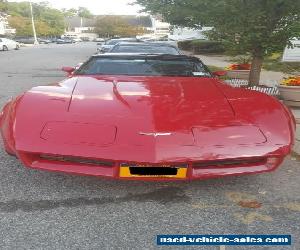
column 297, row 139
column 296, row 149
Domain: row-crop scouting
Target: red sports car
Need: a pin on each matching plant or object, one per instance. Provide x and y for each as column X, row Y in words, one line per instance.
column 147, row 117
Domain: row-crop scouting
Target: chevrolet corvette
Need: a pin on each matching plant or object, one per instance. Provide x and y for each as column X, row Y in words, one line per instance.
column 147, row 117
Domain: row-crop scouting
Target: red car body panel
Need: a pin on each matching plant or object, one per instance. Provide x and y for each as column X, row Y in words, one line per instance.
column 109, row 118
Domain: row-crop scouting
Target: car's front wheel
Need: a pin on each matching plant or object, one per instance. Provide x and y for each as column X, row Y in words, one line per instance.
column 5, row 48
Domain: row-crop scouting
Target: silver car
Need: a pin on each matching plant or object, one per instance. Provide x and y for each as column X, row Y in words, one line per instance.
column 112, row 42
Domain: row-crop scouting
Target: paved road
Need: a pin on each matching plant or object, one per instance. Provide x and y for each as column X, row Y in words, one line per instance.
column 41, row 210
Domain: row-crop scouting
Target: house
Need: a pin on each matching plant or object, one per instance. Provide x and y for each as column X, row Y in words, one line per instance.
column 4, row 26
column 292, row 54
column 164, row 29
column 2, row 29
column 159, row 27
column 77, row 27
column 180, row 34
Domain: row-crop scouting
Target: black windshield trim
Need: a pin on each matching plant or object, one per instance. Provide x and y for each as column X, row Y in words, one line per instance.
column 167, row 57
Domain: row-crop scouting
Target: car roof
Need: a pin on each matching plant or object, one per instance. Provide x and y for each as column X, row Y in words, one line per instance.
column 146, row 56
column 145, row 44
column 123, row 39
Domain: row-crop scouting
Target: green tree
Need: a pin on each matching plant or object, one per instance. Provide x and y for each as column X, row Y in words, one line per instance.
column 18, row 9
column 54, row 20
column 105, row 26
column 81, row 12
column 111, row 26
column 3, row 6
column 49, row 21
column 257, row 27
column 69, row 12
column 84, row 12
column 22, row 25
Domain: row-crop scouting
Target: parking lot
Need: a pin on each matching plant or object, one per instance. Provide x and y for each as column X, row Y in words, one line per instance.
column 41, row 210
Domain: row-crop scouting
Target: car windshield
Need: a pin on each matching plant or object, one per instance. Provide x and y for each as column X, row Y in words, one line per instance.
column 146, row 49
column 144, row 67
column 112, row 42
column 116, row 41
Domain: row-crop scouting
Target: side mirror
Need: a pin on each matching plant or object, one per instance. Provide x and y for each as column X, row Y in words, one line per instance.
column 219, row 73
column 78, row 66
column 69, row 70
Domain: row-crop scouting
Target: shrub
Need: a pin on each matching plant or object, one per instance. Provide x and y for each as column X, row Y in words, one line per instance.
column 202, row 46
column 185, row 45
column 274, row 63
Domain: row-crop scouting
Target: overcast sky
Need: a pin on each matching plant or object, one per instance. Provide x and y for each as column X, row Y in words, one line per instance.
column 119, row 7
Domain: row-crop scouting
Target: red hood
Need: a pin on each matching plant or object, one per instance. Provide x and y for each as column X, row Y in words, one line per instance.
column 159, row 103
column 111, row 118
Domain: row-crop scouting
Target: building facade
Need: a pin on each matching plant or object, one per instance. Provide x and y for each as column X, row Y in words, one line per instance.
column 159, row 27
column 181, row 34
column 83, row 28
column 164, row 29
column 292, row 54
column 5, row 30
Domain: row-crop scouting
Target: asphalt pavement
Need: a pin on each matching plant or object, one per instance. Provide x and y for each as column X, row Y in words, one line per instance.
column 41, row 210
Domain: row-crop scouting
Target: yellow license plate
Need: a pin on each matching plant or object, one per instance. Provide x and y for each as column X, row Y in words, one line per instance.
column 152, row 172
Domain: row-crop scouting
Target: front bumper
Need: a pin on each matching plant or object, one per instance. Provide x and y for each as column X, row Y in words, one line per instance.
column 186, row 171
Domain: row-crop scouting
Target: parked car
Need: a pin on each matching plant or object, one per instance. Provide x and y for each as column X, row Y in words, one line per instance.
column 53, row 39
column 8, row 44
column 161, row 40
column 147, row 117
column 64, row 41
column 85, row 39
column 99, row 40
column 44, row 41
column 112, row 42
column 25, row 40
column 145, row 48
column 77, row 40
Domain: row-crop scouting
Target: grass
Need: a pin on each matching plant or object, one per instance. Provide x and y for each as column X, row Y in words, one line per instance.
column 272, row 63
column 285, row 67
column 214, row 68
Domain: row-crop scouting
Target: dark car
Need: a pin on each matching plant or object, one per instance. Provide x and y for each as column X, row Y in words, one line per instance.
column 64, row 41
column 109, row 44
column 44, row 41
column 54, row 39
column 25, row 40
column 145, row 48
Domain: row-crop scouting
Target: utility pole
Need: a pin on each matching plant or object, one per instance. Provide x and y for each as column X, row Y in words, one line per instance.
column 33, row 26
